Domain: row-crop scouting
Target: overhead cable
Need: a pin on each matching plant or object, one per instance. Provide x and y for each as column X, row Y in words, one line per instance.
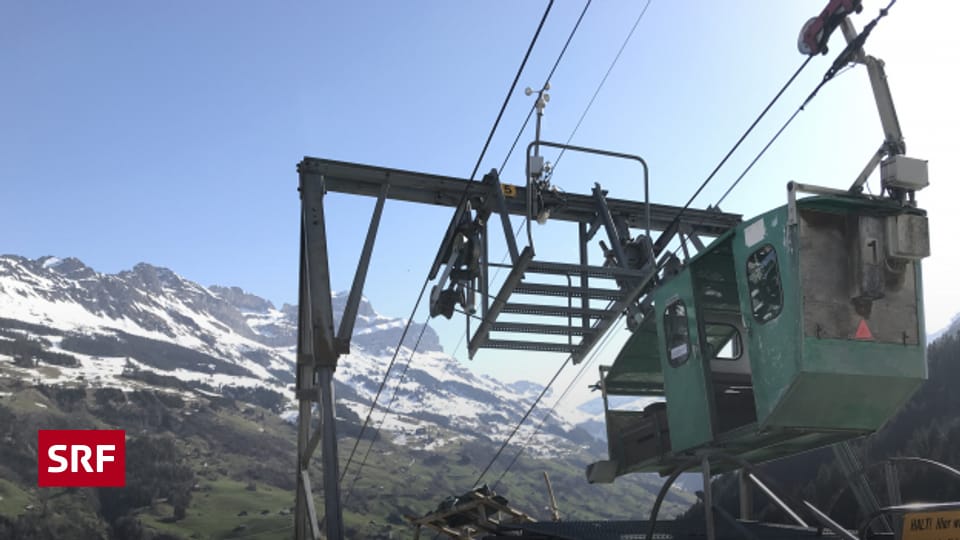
column 563, row 51
column 665, row 235
column 426, row 281
column 386, row 413
column 603, row 81
column 840, row 65
column 522, row 419
column 595, row 355
column 513, row 87
column 383, row 383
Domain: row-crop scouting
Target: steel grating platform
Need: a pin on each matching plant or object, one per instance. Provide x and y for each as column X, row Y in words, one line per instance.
column 544, row 306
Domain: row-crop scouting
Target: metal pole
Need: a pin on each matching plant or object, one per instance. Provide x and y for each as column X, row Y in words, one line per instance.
column 584, row 278
column 746, row 496
column 853, row 471
column 663, row 493
column 825, row 521
column 777, row 501
column 708, row 500
column 893, row 494
column 331, row 462
column 303, row 436
column 554, row 511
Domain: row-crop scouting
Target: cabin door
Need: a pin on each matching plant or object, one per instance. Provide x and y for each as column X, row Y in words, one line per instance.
column 686, row 381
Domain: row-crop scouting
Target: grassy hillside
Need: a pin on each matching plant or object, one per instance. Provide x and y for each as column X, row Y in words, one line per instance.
column 222, row 468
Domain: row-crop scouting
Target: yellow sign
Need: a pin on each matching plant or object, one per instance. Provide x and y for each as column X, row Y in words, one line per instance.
column 509, row 190
column 932, row 526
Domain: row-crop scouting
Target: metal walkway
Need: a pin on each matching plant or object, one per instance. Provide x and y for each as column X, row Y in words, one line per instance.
column 547, row 306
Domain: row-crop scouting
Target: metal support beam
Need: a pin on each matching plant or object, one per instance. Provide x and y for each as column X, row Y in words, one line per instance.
column 893, row 494
column 696, row 241
column 708, row 499
column 612, row 234
column 744, row 533
column 493, row 179
column 356, row 290
column 311, row 510
column 777, row 501
column 305, row 523
column 584, row 278
column 304, row 337
column 746, row 495
column 829, row 523
column 356, row 179
column 315, row 266
column 333, row 513
column 554, row 511
column 318, row 350
column 484, row 272
column 446, row 245
column 853, row 471
column 881, row 91
column 312, row 445
column 871, row 166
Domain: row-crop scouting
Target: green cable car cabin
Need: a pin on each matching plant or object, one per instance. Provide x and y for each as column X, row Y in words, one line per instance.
column 797, row 329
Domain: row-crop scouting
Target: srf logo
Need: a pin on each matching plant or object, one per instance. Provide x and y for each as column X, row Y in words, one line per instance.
column 81, row 458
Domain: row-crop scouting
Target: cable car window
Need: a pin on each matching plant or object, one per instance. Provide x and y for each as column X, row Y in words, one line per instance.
column 763, row 280
column 677, row 331
column 723, row 341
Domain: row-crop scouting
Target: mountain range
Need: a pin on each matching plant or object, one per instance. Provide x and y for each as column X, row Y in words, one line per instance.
column 68, row 330
column 211, row 337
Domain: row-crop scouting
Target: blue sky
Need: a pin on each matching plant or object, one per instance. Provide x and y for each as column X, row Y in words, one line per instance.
column 168, row 132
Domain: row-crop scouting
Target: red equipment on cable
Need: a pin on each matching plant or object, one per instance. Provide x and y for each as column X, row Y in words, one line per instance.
column 815, row 34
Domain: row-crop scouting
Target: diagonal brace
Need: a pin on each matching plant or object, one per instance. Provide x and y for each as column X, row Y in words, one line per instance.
column 349, row 317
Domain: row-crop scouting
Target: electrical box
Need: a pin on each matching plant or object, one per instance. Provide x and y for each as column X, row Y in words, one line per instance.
column 904, row 173
column 535, row 166
column 908, row 237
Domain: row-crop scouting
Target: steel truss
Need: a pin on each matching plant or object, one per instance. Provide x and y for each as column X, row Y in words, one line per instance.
column 596, row 294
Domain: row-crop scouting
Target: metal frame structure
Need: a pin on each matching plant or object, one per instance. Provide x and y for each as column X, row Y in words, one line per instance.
column 596, row 295
column 318, row 349
column 482, row 516
column 319, row 346
column 750, row 477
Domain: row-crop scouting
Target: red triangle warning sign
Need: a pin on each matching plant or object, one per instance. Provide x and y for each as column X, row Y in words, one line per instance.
column 863, row 331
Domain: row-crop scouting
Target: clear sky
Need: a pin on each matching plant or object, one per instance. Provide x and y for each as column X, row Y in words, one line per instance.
column 168, row 132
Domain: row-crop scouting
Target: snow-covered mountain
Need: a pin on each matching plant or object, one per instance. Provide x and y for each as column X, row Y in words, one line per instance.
column 62, row 322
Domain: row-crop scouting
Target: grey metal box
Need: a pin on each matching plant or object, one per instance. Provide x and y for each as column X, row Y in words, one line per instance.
column 904, row 172
column 908, row 236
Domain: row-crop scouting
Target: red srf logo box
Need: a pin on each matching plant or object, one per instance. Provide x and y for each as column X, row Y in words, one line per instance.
column 81, row 458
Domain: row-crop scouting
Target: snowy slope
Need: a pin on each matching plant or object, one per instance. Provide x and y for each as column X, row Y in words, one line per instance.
column 122, row 327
